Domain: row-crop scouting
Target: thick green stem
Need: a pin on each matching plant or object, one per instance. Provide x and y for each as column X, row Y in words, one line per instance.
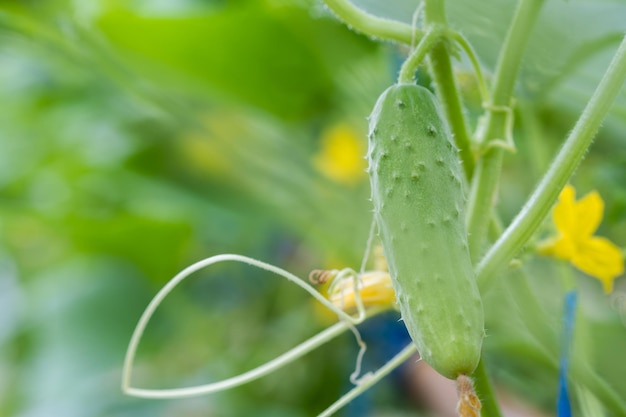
column 485, row 392
column 561, row 169
column 497, row 120
column 484, row 184
column 374, row 26
column 435, row 12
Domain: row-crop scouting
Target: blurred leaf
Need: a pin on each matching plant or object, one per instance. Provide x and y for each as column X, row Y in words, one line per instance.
column 266, row 161
column 278, row 59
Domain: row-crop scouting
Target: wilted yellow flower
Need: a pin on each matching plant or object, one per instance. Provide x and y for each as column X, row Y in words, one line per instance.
column 374, row 288
column 341, row 155
column 576, row 221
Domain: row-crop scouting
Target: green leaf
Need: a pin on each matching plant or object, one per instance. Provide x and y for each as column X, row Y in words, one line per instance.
column 280, row 60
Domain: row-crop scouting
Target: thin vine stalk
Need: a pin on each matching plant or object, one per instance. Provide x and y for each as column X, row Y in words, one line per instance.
column 370, row 25
column 407, row 71
column 446, row 85
column 448, row 93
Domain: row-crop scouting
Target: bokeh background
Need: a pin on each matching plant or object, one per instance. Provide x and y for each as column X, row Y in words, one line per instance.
column 137, row 137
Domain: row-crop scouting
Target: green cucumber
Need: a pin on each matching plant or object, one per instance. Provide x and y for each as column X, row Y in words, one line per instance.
column 419, row 205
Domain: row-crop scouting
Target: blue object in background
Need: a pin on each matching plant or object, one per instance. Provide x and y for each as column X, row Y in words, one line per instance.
column 385, row 336
column 563, row 406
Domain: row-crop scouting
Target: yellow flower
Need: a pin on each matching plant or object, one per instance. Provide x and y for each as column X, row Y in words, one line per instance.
column 375, row 290
column 576, row 221
column 374, row 287
column 341, row 155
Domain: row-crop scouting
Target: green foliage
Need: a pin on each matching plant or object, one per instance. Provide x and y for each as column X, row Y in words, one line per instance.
column 275, row 63
column 119, row 168
column 137, row 137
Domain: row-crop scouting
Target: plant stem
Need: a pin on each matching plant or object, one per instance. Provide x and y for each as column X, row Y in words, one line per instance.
column 371, row 25
column 435, row 12
column 561, row 169
column 416, row 57
column 485, row 392
column 471, row 55
column 448, row 93
column 489, row 166
column 445, row 84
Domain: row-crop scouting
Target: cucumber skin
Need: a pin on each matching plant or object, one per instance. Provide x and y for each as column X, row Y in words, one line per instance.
column 419, row 205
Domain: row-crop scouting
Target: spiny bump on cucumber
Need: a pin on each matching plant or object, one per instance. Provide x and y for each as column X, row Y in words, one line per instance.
column 419, row 205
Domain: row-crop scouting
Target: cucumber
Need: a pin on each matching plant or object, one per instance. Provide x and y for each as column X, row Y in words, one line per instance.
column 419, row 205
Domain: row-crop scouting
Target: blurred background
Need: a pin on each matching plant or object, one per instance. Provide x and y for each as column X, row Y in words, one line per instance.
column 137, row 137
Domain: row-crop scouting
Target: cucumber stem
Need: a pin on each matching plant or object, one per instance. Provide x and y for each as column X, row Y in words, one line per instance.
column 407, row 71
column 469, row 404
column 448, row 93
column 445, row 84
